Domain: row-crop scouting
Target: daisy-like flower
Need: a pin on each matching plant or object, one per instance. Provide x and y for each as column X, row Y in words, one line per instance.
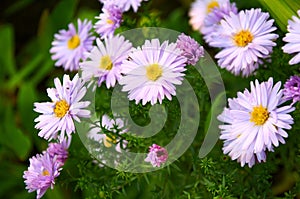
column 212, row 20
column 109, row 20
column 125, row 5
column 157, row 155
column 41, row 174
column 190, row 49
column 105, row 60
column 200, row 9
column 69, row 46
column 245, row 38
column 153, row 71
column 59, row 151
column 255, row 122
column 65, row 106
column 112, row 125
column 291, row 89
column 293, row 39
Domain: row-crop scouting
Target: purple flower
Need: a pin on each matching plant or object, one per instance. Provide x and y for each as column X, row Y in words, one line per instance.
column 157, row 155
column 65, row 106
column 152, row 72
column 105, row 60
column 109, row 21
column 293, row 39
column 255, row 122
column 190, row 49
column 124, row 5
column 292, row 89
column 41, row 174
column 212, row 20
column 59, row 151
column 69, row 46
column 245, row 38
column 200, row 9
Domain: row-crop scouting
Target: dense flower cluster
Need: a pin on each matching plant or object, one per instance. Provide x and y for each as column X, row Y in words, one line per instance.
column 255, row 122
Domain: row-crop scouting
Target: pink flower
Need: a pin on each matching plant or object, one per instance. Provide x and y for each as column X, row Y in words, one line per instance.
column 157, row 155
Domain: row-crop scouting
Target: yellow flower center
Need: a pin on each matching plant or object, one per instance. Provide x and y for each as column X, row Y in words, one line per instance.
column 109, row 21
column 243, row 38
column 259, row 115
column 108, row 141
column 61, row 108
column 74, row 42
column 106, row 63
column 45, row 173
column 153, row 72
column 211, row 6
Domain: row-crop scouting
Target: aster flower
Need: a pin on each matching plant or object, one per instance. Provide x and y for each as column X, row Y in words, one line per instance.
column 291, row 89
column 59, row 151
column 109, row 20
column 65, row 106
column 41, row 174
column 255, row 122
column 110, row 54
column 125, row 5
column 157, row 155
column 112, row 125
column 69, row 46
column 245, row 38
column 200, row 9
column 190, row 49
column 212, row 20
column 293, row 39
column 153, row 71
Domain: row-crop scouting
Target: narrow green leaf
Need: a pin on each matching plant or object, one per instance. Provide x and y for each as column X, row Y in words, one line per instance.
column 26, row 97
column 7, row 61
column 26, row 70
column 280, row 10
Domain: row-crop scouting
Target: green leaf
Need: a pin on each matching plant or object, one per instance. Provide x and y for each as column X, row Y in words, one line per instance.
column 26, row 97
column 12, row 137
column 7, row 61
column 281, row 11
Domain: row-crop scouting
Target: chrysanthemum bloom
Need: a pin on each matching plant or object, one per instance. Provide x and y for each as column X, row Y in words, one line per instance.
column 200, row 9
column 293, row 39
column 153, row 71
column 190, row 49
column 255, row 122
column 69, row 46
column 125, row 5
column 245, row 38
column 105, row 60
column 291, row 89
column 59, row 151
column 41, row 174
column 157, row 155
column 109, row 20
column 112, row 125
column 212, row 20
column 65, row 106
